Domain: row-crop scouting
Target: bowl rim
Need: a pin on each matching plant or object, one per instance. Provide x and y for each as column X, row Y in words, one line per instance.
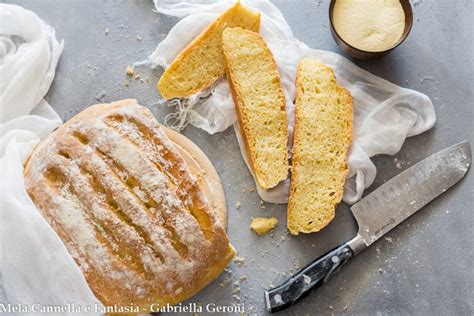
column 406, row 30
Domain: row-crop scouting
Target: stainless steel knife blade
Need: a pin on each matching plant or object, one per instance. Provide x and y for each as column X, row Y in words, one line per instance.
column 400, row 197
column 376, row 214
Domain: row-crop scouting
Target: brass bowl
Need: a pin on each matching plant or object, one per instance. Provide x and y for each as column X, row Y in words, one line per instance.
column 362, row 54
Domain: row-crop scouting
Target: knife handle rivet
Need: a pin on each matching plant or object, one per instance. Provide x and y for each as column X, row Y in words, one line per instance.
column 335, row 259
column 277, row 298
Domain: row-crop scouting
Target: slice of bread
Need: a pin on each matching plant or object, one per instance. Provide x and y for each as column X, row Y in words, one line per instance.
column 323, row 135
column 201, row 63
column 260, row 104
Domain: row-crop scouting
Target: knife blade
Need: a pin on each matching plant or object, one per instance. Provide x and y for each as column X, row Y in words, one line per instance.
column 376, row 214
column 393, row 202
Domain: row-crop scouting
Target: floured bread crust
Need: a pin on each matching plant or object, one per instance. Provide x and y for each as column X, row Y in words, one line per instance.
column 126, row 205
column 201, row 167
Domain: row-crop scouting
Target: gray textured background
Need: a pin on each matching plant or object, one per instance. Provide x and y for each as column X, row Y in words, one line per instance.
column 423, row 267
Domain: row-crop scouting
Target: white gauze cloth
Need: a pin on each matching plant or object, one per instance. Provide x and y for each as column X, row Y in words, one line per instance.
column 35, row 265
column 384, row 113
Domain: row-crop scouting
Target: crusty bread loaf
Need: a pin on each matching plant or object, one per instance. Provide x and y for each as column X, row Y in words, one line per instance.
column 124, row 202
column 201, row 63
column 323, row 135
column 260, row 104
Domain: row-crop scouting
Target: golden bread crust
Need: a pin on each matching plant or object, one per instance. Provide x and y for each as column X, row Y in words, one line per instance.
column 201, row 62
column 201, row 167
column 120, row 196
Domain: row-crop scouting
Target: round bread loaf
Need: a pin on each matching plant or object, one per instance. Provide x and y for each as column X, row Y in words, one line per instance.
column 130, row 205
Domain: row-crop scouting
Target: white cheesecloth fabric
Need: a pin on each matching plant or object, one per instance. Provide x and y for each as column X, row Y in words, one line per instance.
column 384, row 113
column 35, row 265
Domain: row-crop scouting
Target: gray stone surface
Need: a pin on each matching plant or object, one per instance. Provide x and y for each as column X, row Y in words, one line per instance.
column 423, row 267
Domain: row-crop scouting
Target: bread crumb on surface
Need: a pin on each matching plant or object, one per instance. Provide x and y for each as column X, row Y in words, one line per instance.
column 248, row 190
column 262, row 225
column 137, row 77
column 129, row 71
column 225, row 282
column 239, row 260
column 139, row 38
column 237, row 205
column 107, row 31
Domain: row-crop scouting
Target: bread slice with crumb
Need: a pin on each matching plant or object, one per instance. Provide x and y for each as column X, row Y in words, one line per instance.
column 323, row 135
column 201, row 63
column 260, row 103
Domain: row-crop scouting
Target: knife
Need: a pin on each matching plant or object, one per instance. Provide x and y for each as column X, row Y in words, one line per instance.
column 376, row 214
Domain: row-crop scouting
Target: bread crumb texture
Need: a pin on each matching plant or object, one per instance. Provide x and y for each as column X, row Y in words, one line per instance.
column 323, row 135
column 260, row 104
column 201, row 63
column 262, row 225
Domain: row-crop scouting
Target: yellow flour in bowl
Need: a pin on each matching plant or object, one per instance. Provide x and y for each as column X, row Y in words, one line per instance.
column 369, row 25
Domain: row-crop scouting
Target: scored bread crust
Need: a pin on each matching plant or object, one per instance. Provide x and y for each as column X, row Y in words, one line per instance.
column 319, row 217
column 250, row 20
column 201, row 167
column 238, row 101
column 124, row 202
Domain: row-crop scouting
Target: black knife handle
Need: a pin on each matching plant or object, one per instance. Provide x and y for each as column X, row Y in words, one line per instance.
column 307, row 279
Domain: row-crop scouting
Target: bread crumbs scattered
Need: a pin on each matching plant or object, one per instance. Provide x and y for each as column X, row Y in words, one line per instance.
column 240, row 261
column 107, row 31
column 248, row 190
column 225, row 282
column 237, row 205
column 129, row 71
column 139, row 38
column 243, row 278
column 137, row 77
column 296, row 262
column 398, row 164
